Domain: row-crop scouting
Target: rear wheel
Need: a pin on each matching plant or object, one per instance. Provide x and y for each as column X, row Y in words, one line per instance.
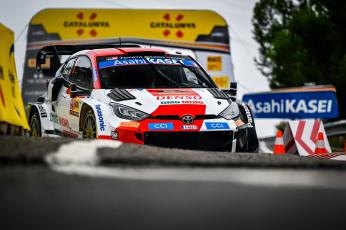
column 89, row 125
column 35, row 124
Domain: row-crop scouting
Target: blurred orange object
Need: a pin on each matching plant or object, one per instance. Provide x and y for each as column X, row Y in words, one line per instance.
column 279, row 147
column 320, row 146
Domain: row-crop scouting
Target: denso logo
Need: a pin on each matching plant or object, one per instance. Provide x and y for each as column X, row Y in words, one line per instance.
column 100, row 116
column 179, row 97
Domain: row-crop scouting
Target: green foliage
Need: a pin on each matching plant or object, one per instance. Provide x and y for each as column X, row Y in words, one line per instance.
column 302, row 41
column 281, row 126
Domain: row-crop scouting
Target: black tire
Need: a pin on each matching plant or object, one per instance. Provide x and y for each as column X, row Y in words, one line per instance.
column 35, row 124
column 247, row 140
column 89, row 125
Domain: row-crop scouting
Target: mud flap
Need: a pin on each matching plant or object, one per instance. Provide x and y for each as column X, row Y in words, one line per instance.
column 234, row 145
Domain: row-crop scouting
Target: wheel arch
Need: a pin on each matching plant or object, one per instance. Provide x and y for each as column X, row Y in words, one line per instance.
column 102, row 113
column 34, row 108
column 252, row 144
column 246, row 112
column 31, row 108
column 83, row 111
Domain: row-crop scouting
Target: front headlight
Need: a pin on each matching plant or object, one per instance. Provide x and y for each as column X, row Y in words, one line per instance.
column 230, row 112
column 128, row 113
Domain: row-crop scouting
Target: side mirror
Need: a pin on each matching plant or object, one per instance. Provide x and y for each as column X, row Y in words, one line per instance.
column 233, row 86
column 232, row 91
column 47, row 65
column 41, row 60
column 73, row 90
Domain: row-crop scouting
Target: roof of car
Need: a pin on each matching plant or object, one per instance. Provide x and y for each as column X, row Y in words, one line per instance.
column 124, row 51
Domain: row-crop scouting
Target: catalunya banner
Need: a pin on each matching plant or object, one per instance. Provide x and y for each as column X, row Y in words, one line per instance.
column 318, row 102
column 11, row 104
column 202, row 34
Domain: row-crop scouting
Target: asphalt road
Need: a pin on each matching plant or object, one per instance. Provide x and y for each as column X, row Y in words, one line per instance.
column 133, row 187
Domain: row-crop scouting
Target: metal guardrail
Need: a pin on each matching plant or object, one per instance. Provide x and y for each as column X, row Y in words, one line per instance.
column 335, row 128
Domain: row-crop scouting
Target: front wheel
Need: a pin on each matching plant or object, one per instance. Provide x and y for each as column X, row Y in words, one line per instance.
column 89, row 125
column 247, row 140
column 35, row 124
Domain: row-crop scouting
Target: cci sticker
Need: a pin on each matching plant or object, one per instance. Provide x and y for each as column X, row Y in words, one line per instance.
column 216, row 125
column 161, row 126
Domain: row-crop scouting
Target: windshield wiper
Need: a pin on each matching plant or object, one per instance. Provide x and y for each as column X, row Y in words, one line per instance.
column 159, row 72
column 204, row 83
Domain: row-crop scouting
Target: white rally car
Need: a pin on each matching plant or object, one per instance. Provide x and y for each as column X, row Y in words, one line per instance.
column 138, row 95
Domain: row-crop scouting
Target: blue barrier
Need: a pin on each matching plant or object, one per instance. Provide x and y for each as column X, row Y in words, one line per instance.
column 294, row 105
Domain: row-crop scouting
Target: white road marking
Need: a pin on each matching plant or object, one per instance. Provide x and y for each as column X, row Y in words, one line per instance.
column 80, row 158
column 79, row 153
column 256, row 177
column 339, row 158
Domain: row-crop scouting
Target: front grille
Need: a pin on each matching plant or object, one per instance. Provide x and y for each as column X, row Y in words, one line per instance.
column 176, row 117
column 206, row 116
column 210, row 141
column 166, row 117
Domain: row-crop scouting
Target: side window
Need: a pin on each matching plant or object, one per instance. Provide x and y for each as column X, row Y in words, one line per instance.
column 82, row 73
column 66, row 71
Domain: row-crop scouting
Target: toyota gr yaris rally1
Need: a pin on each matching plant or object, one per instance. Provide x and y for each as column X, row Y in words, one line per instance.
column 144, row 96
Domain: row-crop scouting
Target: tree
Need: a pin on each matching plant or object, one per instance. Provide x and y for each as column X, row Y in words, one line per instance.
column 302, row 41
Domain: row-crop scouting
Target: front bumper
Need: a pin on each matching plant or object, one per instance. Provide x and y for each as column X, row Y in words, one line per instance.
column 209, row 141
column 209, row 135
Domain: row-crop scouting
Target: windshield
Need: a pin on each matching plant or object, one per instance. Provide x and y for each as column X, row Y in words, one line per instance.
column 152, row 72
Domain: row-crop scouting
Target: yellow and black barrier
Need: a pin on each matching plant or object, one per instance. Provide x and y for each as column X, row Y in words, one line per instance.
column 12, row 114
column 203, row 34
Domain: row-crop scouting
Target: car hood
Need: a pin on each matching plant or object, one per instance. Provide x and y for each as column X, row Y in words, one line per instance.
column 192, row 101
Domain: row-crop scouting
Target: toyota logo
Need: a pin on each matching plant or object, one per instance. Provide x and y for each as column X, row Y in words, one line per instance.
column 187, row 119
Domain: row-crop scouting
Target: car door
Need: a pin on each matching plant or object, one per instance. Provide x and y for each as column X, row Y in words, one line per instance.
column 63, row 100
column 81, row 76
